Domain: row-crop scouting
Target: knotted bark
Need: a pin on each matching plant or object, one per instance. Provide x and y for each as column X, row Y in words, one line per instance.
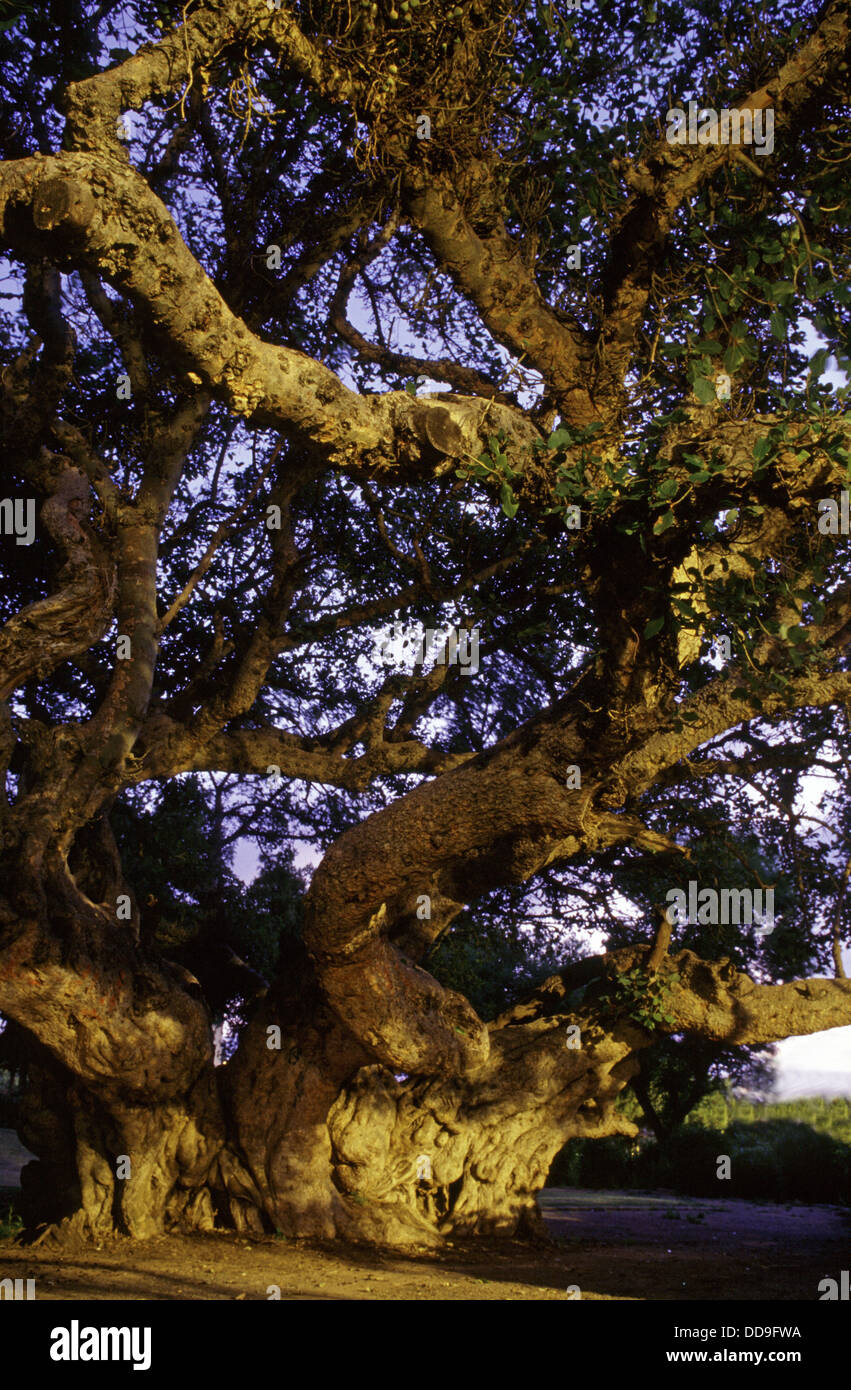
column 338, row 1146
column 78, row 613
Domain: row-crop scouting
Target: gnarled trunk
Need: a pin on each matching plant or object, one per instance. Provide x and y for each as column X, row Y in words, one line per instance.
column 304, row 1133
column 338, row 1145
column 121, row 1105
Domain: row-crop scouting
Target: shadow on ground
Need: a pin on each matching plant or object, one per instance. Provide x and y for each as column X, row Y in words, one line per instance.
column 611, row 1245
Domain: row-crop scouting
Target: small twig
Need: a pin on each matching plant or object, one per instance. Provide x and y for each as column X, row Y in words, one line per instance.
column 206, row 560
column 661, row 941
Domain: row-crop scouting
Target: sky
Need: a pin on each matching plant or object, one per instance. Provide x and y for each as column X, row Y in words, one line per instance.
column 816, row 1065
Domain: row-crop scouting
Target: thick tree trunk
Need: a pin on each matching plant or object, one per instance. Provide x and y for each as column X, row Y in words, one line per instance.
column 326, row 1142
column 304, row 1133
column 138, row 1170
column 337, row 1145
column 338, row 1116
column 121, row 1105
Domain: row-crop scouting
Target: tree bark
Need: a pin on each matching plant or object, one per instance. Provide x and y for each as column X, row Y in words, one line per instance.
column 305, row 1133
column 349, row 1137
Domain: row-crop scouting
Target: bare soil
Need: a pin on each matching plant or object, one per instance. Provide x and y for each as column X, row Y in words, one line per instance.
column 613, row 1245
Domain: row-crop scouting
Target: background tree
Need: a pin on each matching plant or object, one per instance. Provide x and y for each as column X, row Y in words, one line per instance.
column 238, row 239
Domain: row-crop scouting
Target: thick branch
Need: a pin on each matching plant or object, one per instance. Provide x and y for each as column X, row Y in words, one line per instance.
column 462, row 378
column 716, row 1001
column 489, row 269
column 126, row 234
column 170, row 749
column 710, row 998
column 78, row 614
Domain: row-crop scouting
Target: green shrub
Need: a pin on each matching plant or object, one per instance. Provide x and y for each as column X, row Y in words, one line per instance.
column 771, row 1159
column 10, row 1223
column 688, row 1161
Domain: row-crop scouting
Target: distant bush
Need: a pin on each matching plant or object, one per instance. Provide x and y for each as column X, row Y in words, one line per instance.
column 613, row 1162
column 771, row 1159
column 758, row 1165
column 688, row 1161
column 11, row 1223
column 719, row 1110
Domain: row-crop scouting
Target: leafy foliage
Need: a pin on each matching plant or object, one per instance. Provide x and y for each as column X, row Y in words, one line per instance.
column 792, row 1151
column 754, row 280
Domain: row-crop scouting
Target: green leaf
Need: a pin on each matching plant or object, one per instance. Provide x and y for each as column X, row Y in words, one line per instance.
column 733, row 358
column 818, row 361
column 818, row 289
column 508, row 500
column 778, row 326
column 704, row 390
column 559, row 439
column 663, row 522
column 761, row 448
column 655, row 625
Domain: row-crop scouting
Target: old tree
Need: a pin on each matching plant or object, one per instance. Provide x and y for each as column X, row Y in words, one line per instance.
column 318, row 317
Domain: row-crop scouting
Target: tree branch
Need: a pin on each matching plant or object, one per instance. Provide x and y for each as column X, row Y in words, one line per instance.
column 123, row 231
column 666, row 177
column 79, row 612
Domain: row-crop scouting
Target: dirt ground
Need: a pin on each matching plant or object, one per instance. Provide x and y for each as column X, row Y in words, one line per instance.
column 612, row 1245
